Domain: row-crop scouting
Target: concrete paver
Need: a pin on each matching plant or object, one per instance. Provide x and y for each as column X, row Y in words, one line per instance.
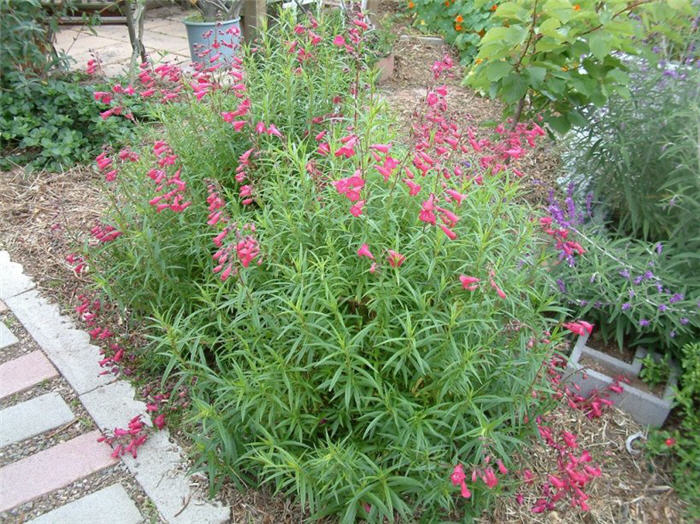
column 24, row 372
column 33, row 417
column 6, row 336
column 52, row 469
column 68, row 347
column 164, row 37
column 108, row 504
column 12, row 280
column 157, row 466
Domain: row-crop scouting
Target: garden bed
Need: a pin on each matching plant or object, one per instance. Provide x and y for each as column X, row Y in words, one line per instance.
column 44, row 217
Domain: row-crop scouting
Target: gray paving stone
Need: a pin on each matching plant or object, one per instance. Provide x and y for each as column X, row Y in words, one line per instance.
column 6, row 336
column 111, row 504
column 113, row 405
column 68, row 347
column 158, row 466
column 32, row 417
column 12, row 280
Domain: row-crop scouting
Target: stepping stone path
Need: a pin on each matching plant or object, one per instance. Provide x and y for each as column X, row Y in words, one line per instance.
column 53, row 404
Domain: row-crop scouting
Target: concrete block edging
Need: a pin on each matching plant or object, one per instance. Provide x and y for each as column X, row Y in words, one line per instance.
column 643, row 407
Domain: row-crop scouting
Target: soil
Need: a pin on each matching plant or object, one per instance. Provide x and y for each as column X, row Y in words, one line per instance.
column 635, row 382
column 44, row 216
column 626, row 354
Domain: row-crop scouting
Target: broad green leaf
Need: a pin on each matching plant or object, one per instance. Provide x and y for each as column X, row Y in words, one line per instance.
column 513, row 88
column 536, row 74
column 599, row 45
column 549, row 28
column 497, row 70
column 560, row 9
column 560, row 124
column 511, row 10
column 516, row 34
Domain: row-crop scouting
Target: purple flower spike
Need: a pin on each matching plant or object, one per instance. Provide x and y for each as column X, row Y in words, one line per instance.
column 644, row 322
column 626, row 306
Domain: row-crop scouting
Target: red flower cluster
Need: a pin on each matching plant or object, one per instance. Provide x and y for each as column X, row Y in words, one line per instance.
column 172, row 198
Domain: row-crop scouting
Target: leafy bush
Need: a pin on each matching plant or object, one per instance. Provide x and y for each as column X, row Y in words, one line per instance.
column 52, row 124
column 683, row 444
column 47, row 119
column 462, row 23
column 639, row 157
column 655, row 372
column 629, row 289
column 559, row 56
column 350, row 355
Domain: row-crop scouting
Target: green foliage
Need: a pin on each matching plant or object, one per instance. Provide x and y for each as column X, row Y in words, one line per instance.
column 683, row 443
column 639, row 157
column 462, row 22
column 655, row 371
column 47, row 117
column 53, row 123
column 630, row 292
column 562, row 55
column 25, row 41
column 355, row 391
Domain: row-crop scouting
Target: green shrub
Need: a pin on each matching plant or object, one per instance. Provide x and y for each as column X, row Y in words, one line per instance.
column 683, row 444
column 555, row 57
column 639, row 157
column 52, row 124
column 47, row 117
column 462, row 23
column 355, row 387
column 629, row 289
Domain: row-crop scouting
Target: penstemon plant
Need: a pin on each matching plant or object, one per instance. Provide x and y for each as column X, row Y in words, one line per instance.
column 353, row 316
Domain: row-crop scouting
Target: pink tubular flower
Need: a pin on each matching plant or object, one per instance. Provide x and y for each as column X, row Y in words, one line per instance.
column 458, row 475
column 247, row 250
column 159, row 421
column 339, row 41
column 468, row 283
column 238, row 124
column 427, row 215
column 489, row 478
column 382, row 148
column 364, row 251
column 414, row 188
column 569, row 439
column 348, row 148
column 273, row 131
column 464, row 491
column 450, row 234
column 501, row 467
column 356, row 209
column 395, row 259
column 499, row 291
